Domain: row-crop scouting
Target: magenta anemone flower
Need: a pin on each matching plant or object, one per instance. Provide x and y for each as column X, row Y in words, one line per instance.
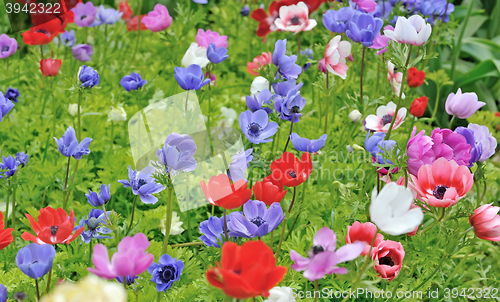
column 131, row 258
column 323, row 258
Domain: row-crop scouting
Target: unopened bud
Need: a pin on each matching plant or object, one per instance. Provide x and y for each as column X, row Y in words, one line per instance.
column 349, row 149
column 355, row 115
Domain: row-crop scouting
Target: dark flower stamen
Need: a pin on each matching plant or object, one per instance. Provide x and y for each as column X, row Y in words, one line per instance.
column 386, row 119
column 386, row 261
column 254, row 129
column 258, row 221
column 439, row 191
column 292, row 174
column 295, row 20
column 318, row 249
column 53, row 230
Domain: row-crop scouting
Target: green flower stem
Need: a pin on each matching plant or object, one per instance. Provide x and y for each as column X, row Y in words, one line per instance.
column 13, row 212
column 187, row 244
column 361, row 77
column 72, row 181
column 298, row 215
column 438, row 87
column 225, row 226
column 281, row 236
column 41, row 51
column 188, row 216
column 452, row 120
column 132, row 218
column 37, row 290
column 49, row 278
column 158, row 297
column 168, row 221
column 291, row 129
column 398, row 106
column 79, row 115
column 90, row 254
column 327, row 103
column 7, row 204
column 316, row 283
column 66, row 179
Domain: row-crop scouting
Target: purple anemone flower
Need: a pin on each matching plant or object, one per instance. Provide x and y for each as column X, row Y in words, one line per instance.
column 257, row 127
column 258, row 220
column 68, row 145
column 256, row 102
column 290, row 107
column 106, row 16
column 94, row 226
column 67, row 38
column 323, row 258
column 476, row 148
column 213, row 230
column 143, row 184
column 190, row 78
column 82, row 52
column 336, row 21
column 22, row 159
column 286, row 64
column 436, row 9
column 129, row 280
column 383, row 9
column 3, row 293
column 200, row 1
column 376, row 146
column 483, row 143
column 6, row 105
column 239, row 165
column 166, row 272
column 308, row 54
column 35, row 260
column 8, row 46
column 216, row 54
column 12, row 94
column 10, row 164
column 245, row 10
column 84, row 14
column 364, row 28
column 133, row 81
column 307, row 145
column 283, row 88
column 88, row 76
column 101, row 199
column 177, row 153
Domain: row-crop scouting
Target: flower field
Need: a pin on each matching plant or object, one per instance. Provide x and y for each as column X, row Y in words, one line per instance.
column 234, row 150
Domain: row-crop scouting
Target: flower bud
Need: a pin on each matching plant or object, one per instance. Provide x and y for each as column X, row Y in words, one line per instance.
column 117, row 115
column 355, row 115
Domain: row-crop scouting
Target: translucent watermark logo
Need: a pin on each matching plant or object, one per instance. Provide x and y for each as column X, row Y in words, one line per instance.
column 181, row 113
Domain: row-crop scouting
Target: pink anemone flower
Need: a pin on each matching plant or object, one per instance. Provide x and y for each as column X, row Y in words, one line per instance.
column 295, row 18
column 131, row 258
column 335, row 56
column 443, row 183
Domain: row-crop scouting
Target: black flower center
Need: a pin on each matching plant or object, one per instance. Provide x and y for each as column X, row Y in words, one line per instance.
column 292, row 174
column 83, row 17
column 93, row 223
column 167, row 273
column 386, row 261
column 295, row 109
column 295, row 20
column 141, row 182
column 53, row 230
column 5, row 48
column 258, row 221
column 43, row 31
column 439, row 191
column 318, row 249
column 254, row 129
column 386, row 119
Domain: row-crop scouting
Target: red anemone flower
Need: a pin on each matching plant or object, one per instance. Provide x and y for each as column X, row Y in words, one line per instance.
column 126, row 10
column 220, row 192
column 54, row 226
column 50, row 67
column 5, row 234
column 246, row 271
column 415, row 77
column 133, row 23
column 269, row 190
column 290, row 171
column 44, row 33
column 418, row 106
